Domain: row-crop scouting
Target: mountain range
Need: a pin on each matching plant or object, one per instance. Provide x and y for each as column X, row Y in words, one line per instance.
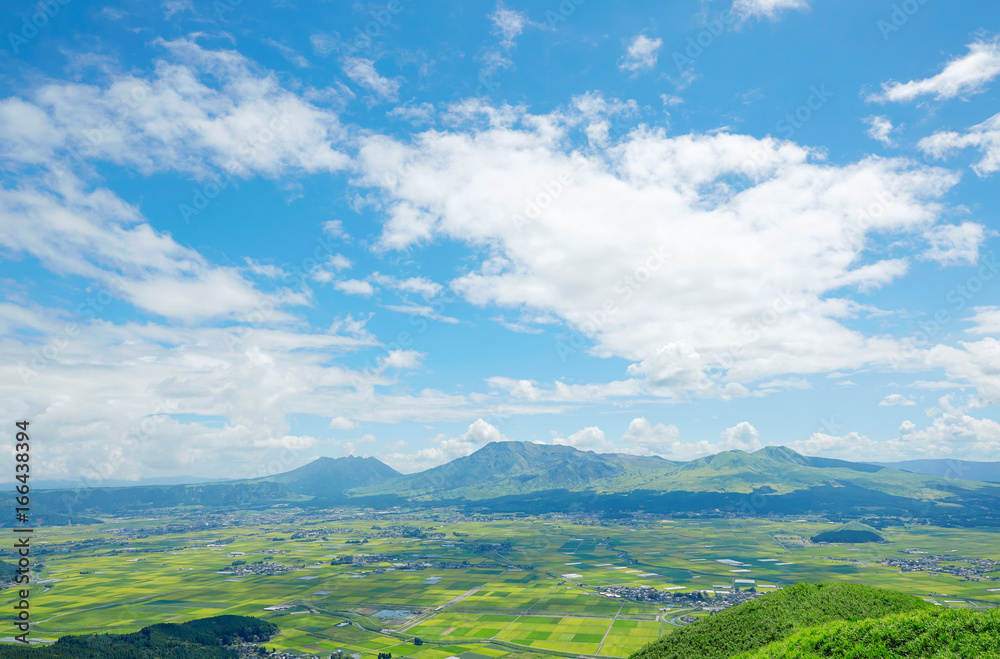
column 526, row 477
column 977, row 471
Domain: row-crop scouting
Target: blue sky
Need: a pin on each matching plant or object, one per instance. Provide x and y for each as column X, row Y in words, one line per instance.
column 236, row 236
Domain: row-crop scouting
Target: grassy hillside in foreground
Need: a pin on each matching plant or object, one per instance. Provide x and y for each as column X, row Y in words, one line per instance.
column 197, row 639
column 934, row 634
column 776, row 616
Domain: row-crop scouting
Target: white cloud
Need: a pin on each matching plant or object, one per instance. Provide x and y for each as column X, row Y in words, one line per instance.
column 962, row 76
column 122, row 382
column 327, row 271
column 362, row 72
column 566, row 393
column 288, row 53
column 770, row 235
column 955, row 244
column 587, row 439
column 640, row 54
column 94, row 234
column 324, row 44
column 171, row 7
column 741, row 437
column 673, row 369
column 416, row 114
column 402, row 359
column 419, row 285
column 984, row 136
column 986, row 320
column 342, row 423
column 479, row 434
column 334, row 229
column 291, row 442
column 508, row 23
column 976, row 363
column 423, row 311
column 880, row 129
column 852, row 446
column 208, row 113
column 896, row 399
column 355, row 287
column 953, row 433
column 644, row 438
column 769, row 9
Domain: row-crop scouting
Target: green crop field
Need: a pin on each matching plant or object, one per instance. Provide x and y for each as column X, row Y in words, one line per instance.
column 472, row 589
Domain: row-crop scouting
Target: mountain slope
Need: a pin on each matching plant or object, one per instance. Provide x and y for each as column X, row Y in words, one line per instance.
column 508, row 468
column 776, row 616
column 326, row 477
column 525, row 477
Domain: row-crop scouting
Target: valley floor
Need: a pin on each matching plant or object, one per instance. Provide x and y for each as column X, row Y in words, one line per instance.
column 373, row 581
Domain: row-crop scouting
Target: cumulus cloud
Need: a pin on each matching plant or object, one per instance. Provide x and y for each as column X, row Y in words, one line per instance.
column 640, row 54
column 962, row 76
column 644, row 438
column 355, row 287
column 973, row 362
column 741, row 437
column 952, row 433
column 445, row 449
column 342, row 423
column 955, row 244
column 880, row 129
column 770, row 234
column 402, row 359
column 852, row 446
column 896, row 399
column 587, row 439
